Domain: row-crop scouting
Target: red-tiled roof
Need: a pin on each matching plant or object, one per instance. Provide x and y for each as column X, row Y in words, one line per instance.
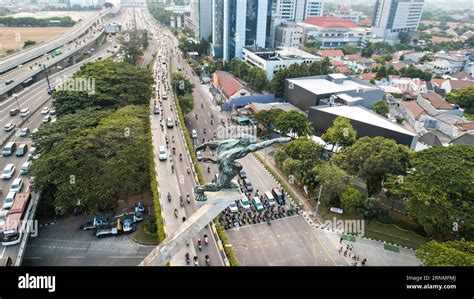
column 353, row 56
column 439, row 39
column 438, row 81
column 399, row 65
column 415, row 109
column 366, row 22
column 227, row 83
column 368, row 76
column 345, row 9
column 342, row 69
column 458, row 84
column 336, row 63
column 375, row 56
column 331, row 53
column 467, row 126
column 330, row 22
column 437, row 101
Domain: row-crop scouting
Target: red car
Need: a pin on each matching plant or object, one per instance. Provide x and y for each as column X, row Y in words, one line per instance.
column 14, row 112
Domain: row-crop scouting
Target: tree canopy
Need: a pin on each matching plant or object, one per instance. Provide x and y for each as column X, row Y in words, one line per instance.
column 450, row 253
column 341, row 133
column 463, row 97
column 439, row 189
column 294, row 123
column 373, row 159
column 381, row 108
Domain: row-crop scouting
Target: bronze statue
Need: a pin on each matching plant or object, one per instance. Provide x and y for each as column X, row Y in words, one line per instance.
column 228, row 151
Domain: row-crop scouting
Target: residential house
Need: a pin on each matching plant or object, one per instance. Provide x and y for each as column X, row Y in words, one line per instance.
column 226, row 87
column 332, row 54
column 450, row 85
column 434, row 104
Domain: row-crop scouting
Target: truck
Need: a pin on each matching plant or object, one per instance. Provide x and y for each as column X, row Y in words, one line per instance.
column 97, row 222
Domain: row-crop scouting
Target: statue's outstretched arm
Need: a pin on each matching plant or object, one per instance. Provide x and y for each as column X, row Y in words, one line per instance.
column 258, row 146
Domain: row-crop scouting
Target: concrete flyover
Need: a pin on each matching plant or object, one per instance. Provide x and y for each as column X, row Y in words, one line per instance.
column 11, row 61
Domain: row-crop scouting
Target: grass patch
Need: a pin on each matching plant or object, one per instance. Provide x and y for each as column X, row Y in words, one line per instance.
column 469, row 116
column 146, row 237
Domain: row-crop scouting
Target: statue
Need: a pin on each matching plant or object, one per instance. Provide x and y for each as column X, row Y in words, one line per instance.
column 228, row 151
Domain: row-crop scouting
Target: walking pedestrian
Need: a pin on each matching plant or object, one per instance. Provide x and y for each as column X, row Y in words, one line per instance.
column 340, row 241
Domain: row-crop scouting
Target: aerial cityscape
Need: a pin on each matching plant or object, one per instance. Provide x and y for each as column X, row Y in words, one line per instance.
column 237, row 133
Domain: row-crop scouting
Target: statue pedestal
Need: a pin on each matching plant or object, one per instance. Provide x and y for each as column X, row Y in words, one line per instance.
column 216, row 202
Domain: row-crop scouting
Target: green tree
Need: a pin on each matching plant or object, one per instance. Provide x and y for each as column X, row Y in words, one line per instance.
column 350, row 49
column 371, row 208
column 373, row 159
column 451, row 253
column 132, row 45
column 333, row 179
column 267, row 118
column 186, row 102
column 351, row 199
column 381, row 108
column 341, row 133
column 382, row 72
column 181, row 85
column 28, row 43
column 67, row 102
column 463, row 97
column 439, row 189
column 294, row 123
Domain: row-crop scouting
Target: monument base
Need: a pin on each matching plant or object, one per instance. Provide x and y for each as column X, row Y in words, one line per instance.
column 216, row 202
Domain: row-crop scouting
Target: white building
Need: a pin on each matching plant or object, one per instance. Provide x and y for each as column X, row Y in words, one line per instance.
column 272, row 61
column 201, row 18
column 448, row 63
column 346, row 13
column 333, row 32
column 288, row 34
column 293, row 11
column 394, row 16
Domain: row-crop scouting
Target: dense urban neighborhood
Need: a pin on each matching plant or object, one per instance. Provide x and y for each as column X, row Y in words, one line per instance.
column 237, row 133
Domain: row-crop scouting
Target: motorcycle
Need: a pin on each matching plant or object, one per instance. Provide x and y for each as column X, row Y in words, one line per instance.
column 196, row 263
column 176, row 213
column 181, row 201
column 187, row 258
column 181, row 157
column 199, row 245
column 208, row 262
column 208, row 169
column 188, row 170
column 206, row 239
column 188, row 198
column 169, row 197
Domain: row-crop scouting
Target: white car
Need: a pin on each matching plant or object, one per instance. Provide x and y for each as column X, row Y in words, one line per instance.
column 24, row 132
column 8, row 171
column 8, row 201
column 233, row 207
column 169, row 122
column 162, row 155
column 24, row 112
column 194, row 134
column 244, row 202
column 199, row 155
column 45, row 110
column 17, row 185
column 46, row 119
column 52, row 111
column 8, row 127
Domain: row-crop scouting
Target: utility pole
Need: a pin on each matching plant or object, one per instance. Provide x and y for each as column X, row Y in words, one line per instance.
column 47, row 79
column 319, row 200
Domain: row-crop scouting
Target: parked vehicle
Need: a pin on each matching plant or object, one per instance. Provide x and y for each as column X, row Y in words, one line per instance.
column 25, row 167
column 257, row 203
column 45, row 110
column 269, row 196
column 97, row 222
column 17, row 185
column 278, row 196
column 233, row 207
column 248, row 185
column 129, row 226
column 8, row 201
column 242, row 175
column 139, row 207
column 199, row 155
column 244, row 202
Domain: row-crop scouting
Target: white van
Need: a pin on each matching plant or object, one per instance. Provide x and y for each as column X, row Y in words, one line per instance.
column 169, row 122
column 162, row 155
column 270, row 198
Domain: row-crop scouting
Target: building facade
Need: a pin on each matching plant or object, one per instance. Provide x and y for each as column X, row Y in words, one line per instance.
column 201, row 18
column 391, row 17
column 288, row 34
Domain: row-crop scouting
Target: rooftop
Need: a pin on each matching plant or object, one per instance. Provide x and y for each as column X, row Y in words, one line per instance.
column 281, row 53
column 363, row 115
column 227, row 83
column 331, row 53
column 321, row 85
column 415, row 109
column 330, row 22
column 437, row 101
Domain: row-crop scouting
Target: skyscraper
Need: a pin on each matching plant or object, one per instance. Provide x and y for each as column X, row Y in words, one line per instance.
column 290, row 10
column 201, row 16
column 237, row 24
column 391, row 17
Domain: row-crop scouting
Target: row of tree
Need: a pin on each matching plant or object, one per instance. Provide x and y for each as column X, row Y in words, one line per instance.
column 254, row 77
column 463, row 97
column 291, row 122
column 34, row 22
column 410, row 72
column 436, row 183
column 184, row 91
column 97, row 151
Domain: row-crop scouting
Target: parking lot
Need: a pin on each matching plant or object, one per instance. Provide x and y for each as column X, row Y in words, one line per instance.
column 63, row 244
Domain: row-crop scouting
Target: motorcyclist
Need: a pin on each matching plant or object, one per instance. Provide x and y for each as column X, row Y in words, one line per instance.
column 181, row 200
column 188, row 197
column 172, row 168
column 206, row 239
column 196, row 263
column 204, row 130
column 208, row 169
column 188, row 170
column 169, row 197
column 196, row 116
column 208, row 262
column 176, row 213
column 186, row 256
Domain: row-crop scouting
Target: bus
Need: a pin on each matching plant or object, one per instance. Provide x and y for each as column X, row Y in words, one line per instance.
column 17, row 219
column 56, row 52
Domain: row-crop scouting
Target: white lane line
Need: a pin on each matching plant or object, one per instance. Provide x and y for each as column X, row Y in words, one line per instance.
column 75, row 257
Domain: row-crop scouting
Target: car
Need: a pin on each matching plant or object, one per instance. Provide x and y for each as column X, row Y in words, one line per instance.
column 24, row 132
column 164, row 96
column 9, row 82
column 233, row 207
column 9, row 149
column 24, row 112
column 128, row 225
column 34, row 137
column 278, row 196
column 156, row 110
column 269, row 196
column 242, row 175
column 8, row 171
column 194, row 134
column 139, row 207
column 46, row 119
column 32, row 154
column 137, row 216
column 8, row 201
column 169, row 123
column 179, row 68
column 25, row 167
column 17, row 185
column 248, row 185
column 45, row 110
column 244, row 202
column 199, row 155
column 162, row 153
column 52, row 111
column 14, row 112
column 8, row 127
column 21, row 151
column 257, row 203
